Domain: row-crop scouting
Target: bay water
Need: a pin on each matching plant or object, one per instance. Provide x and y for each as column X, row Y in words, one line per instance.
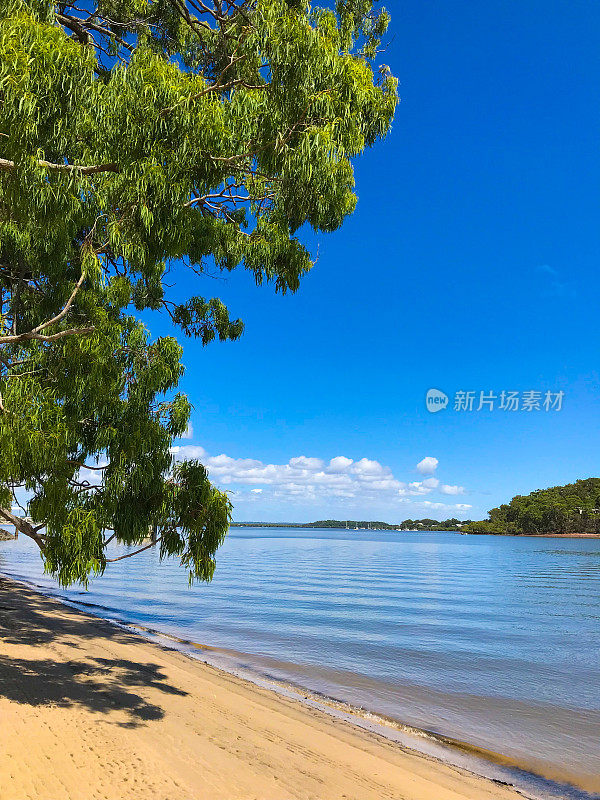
column 492, row 641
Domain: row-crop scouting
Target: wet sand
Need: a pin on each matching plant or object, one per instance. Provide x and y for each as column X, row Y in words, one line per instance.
column 90, row 711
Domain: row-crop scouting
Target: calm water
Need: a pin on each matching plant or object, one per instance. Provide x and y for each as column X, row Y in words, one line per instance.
column 491, row 640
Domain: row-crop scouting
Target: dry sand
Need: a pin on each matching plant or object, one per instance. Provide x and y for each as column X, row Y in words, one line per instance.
column 88, row 710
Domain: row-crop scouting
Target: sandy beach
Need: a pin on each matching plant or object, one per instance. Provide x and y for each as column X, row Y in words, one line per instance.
column 90, row 711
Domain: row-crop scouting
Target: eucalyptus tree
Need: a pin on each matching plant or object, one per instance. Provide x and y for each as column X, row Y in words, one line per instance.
column 140, row 139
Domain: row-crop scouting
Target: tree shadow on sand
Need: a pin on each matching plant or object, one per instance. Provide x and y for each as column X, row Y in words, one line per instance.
column 99, row 684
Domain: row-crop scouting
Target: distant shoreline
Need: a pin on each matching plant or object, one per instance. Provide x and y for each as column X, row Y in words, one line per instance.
column 309, row 527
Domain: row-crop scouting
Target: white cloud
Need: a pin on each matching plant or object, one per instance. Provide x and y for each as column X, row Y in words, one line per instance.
column 364, row 482
column 302, row 475
column 428, row 465
column 446, row 506
column 419, row 487
column 302, row 462
column 189, row 432
column 445, row 489
column 339, row 464
column 188, row 451
column 368, row 468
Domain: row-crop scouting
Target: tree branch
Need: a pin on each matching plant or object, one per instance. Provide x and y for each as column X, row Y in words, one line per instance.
column 38, row 337
column 135, row 552
column 35, row 333
column 8, row 166
column 75, row 26
column 23, row 527
column 83, row 465
column 65, row 309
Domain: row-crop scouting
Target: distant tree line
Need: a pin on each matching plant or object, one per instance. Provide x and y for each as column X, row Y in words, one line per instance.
column 352, row 523
column 434, row 524
column 408, row 524
column 573, row 508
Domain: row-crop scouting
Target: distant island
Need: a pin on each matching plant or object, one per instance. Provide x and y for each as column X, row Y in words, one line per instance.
column 373, row 525
column 570, row 510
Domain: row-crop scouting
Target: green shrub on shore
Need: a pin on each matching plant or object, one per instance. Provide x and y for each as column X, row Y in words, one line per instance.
column 570, row 509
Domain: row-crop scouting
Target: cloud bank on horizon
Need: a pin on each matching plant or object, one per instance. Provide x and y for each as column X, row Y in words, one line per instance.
column 311, row 482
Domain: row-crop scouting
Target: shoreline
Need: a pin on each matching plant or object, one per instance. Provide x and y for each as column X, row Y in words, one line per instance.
column 298, row 526
column 477, row 760
column 72, row 679
column 431, row 753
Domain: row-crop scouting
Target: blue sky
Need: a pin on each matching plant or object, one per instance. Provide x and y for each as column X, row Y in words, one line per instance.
column 470, row 264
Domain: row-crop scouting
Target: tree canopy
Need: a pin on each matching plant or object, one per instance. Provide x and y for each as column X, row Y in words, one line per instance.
column 573, row 508
column 140, row 139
